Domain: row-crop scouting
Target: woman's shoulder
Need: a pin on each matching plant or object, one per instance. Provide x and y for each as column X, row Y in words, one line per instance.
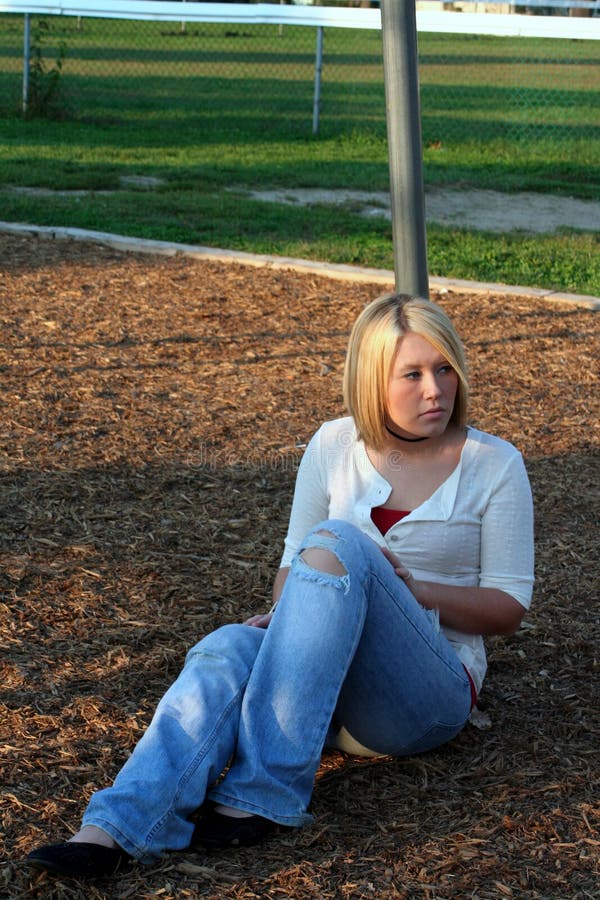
column 337, row 432
column 332, row 446
column 490, row 444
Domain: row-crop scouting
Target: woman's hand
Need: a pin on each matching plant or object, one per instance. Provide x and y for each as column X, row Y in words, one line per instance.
column 401, row 571
column 261, row 621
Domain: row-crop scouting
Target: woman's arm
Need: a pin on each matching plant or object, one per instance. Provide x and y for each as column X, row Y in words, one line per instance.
column 472, row 610
column 279, row 582
column 497, row 605
column 263, row 619
column 309, row 506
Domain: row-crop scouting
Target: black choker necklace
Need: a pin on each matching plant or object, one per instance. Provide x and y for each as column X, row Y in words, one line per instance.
column 400, row 438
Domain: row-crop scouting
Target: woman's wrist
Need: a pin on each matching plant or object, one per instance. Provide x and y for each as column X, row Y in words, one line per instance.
column 423, row 593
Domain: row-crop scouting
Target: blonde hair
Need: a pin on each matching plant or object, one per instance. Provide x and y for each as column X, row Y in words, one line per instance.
column 372, row 348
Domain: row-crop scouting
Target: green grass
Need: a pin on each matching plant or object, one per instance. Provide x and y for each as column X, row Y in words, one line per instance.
column 222, row 107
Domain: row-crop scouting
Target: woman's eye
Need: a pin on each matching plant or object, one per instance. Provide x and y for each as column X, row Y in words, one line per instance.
column 412, row 375
column 445, row 369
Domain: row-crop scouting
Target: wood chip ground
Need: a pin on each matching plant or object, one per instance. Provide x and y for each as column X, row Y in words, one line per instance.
column 153, row 414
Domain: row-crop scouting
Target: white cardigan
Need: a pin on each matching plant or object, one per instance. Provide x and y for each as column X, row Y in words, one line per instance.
column 476, row 528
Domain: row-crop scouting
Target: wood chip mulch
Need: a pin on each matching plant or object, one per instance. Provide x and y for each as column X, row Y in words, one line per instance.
column 153, row 414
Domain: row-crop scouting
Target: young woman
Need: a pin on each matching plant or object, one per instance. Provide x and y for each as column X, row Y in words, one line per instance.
column 410, row 538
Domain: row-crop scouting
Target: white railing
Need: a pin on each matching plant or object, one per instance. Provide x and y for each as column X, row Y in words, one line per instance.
column 441, row 21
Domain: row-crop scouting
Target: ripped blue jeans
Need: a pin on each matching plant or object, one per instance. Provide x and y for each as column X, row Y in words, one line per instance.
column 349, row 653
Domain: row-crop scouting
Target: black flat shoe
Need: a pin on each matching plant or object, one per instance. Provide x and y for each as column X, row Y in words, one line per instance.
column 217, row 831
column 79, row 860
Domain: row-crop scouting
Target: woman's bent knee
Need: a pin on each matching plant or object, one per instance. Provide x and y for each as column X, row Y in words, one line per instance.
column 334, row 553
column 322, row 559
column 333, row 546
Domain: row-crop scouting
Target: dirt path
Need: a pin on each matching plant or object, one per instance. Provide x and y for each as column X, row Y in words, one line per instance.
column 479, row 209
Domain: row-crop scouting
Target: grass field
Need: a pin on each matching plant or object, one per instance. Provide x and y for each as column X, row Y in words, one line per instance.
column 218, row 107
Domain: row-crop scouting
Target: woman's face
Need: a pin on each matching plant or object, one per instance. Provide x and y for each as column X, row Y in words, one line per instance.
column 422, row 389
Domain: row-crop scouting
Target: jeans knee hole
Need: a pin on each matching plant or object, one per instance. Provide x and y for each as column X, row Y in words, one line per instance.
column 324, row 560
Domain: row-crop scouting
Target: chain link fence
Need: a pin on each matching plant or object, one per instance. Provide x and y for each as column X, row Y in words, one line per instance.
column 257, row 78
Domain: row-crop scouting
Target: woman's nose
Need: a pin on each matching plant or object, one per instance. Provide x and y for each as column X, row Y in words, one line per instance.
column 432, row 387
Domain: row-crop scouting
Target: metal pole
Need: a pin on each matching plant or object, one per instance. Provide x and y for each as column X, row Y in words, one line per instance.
column 318, row 70
column 407, row 196
column 26, row 60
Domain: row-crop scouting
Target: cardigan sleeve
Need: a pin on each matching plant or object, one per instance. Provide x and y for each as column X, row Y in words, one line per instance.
column 310, row 504
column 506, row 560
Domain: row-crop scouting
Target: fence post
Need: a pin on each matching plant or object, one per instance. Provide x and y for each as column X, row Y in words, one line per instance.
column 407, row 197
column 26, row 60
column 318, row 71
